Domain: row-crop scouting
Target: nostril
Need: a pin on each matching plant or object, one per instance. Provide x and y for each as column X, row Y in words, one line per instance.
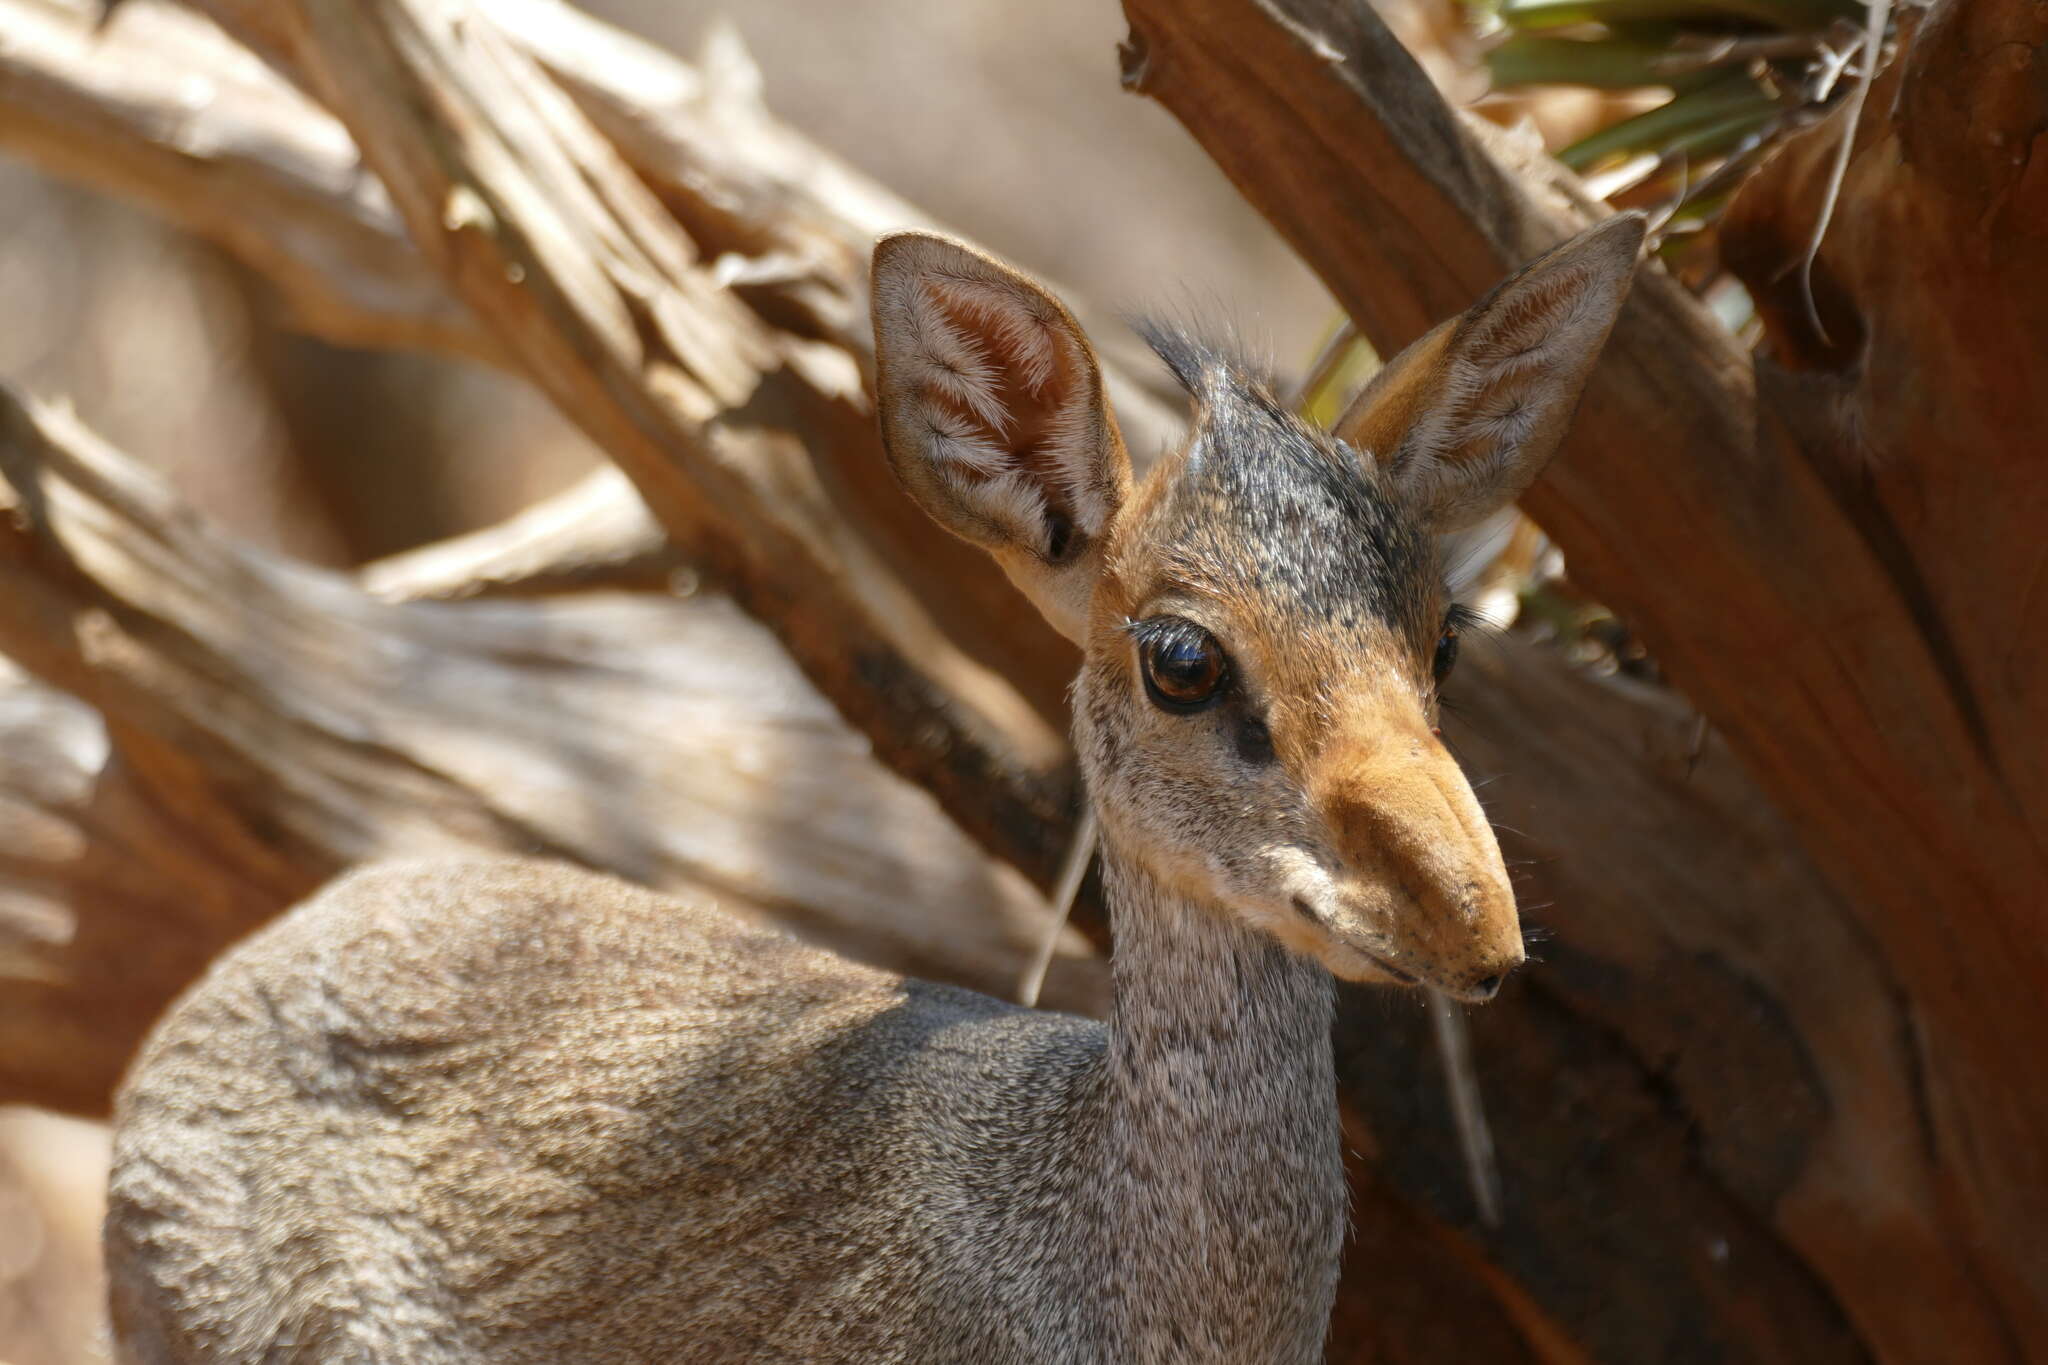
column 1485, row 986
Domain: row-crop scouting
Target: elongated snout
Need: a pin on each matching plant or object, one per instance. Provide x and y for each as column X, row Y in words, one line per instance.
column 1420, row 885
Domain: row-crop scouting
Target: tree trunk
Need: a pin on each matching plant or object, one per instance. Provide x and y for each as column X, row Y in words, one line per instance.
column 1817, row 543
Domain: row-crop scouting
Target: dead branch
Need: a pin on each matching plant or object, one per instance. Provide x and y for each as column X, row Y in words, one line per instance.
column 267, row 724
column 706, row 134
column 1678, row 1032
column 162, row 111
column 789, row 223
column 786, row 223
column 596, row 534
column 555, row 243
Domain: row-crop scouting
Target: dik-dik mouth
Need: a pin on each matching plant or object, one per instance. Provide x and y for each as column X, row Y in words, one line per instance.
column 1474, row 992
column 1405, row 978
column 1308, row 912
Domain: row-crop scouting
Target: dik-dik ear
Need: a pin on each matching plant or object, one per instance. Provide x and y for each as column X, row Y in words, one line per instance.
column 1466, row 418
column 994, row 418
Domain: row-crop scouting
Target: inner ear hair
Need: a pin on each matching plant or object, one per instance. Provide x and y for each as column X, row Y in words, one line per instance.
column 1465, row 419
column 992, row 404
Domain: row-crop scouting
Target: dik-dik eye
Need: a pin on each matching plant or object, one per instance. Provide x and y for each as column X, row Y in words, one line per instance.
column 1446, row 653
column 1183, row 666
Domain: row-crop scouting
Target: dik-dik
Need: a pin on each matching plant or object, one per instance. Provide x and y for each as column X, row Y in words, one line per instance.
column 513, row 1111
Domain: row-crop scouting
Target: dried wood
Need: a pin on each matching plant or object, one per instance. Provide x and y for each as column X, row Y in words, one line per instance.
column 162, row 111
column 1920, row 413
column 1691, row 1121
column 787, row 224
column 779, row 220
column 593, row 535
column 266, row 724
column 554, row 242
column 53, row 1178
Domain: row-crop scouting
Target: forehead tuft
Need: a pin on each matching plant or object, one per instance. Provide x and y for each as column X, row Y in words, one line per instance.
column 1263, row 505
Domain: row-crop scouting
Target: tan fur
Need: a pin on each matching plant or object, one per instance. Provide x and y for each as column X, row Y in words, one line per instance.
column 1051, row 442
column 1405, row 871
column 1388, row 407
column 1468, row 416
column 515, row 1111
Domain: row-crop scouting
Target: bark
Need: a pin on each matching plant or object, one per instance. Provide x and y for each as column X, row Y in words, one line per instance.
column 1809, row 544
column 1920, row 411
column 1689, row 1124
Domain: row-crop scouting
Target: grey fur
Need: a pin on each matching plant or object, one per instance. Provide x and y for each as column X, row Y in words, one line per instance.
column 514, row 1111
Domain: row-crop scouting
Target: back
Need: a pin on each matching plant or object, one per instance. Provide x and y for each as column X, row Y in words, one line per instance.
column 514, row 1111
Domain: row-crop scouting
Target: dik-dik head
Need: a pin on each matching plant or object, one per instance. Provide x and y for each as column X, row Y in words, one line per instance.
column 1263, row 618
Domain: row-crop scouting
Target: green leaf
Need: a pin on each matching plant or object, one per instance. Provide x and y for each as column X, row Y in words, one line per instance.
column 1732, row 97
column 1603, row 64
column 1787, row 15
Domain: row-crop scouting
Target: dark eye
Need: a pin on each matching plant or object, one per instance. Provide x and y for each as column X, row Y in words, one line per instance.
column 1446, row 653
column 1184, row 667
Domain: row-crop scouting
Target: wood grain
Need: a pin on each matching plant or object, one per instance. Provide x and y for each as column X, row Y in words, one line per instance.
column 261, row 725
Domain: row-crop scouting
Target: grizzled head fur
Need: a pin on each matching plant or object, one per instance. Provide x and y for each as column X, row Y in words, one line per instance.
column 1263, row 619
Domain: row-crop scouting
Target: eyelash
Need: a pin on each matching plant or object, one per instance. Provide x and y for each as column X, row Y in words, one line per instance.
column 1459, row 620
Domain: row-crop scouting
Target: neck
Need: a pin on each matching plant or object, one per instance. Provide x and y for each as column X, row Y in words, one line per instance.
column 1223, row 1179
